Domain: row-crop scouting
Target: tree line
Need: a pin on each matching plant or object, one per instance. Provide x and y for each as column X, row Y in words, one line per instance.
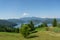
column 27, row 29
column 4, row 28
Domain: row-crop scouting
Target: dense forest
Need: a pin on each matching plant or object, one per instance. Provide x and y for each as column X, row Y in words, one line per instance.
column 6, row 26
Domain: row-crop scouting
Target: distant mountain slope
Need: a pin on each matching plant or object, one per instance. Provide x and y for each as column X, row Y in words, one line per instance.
column 7, row 23
column 26, row 20
column 36, row 20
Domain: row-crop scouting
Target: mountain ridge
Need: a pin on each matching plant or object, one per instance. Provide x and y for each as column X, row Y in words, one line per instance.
column 27, row 19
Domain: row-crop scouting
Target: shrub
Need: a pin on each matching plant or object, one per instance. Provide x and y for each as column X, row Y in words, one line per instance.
column 58, row 25
column 25, row 30
column 47, row 28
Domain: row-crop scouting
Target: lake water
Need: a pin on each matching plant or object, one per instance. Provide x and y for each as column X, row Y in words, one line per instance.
column 19, row 25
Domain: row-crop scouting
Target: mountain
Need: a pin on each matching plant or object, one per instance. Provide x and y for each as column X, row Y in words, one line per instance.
column 35, row 20
column 7, row 23
column 26, row 20
column 18, row 22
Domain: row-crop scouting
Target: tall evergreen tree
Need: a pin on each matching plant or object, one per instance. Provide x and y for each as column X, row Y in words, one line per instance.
column 31, row 25
column 54, row 23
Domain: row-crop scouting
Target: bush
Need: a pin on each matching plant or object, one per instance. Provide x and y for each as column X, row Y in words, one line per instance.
column 25, row 30
column 47, row 28
column 58, row 25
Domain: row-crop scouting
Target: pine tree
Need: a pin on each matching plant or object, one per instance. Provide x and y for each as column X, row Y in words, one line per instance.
column 54, row 23
column 31, row 25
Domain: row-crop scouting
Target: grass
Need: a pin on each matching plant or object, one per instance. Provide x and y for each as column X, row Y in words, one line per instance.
column 56, row 29
column 41, row 29
column 42, row 34
column 9, row 36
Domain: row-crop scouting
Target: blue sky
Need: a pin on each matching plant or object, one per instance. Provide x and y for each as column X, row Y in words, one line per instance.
column 29, row 8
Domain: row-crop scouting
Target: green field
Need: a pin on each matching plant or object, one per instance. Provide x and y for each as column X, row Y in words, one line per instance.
column 42, row 34
column 9, row 36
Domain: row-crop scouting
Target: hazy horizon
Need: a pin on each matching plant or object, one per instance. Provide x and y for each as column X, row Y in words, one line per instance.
column 10, row 9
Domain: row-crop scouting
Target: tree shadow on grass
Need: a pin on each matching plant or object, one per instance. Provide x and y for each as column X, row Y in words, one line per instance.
column 34, row 36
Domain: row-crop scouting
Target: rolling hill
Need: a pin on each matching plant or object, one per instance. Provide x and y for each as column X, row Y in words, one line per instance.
column 7, row 23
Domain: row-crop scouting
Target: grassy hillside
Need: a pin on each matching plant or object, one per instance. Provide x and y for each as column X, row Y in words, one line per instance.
column 9, row 36
column 42, row 34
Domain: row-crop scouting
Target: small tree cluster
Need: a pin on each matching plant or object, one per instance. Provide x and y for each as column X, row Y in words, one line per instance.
column 44, row 24
column 27, row 29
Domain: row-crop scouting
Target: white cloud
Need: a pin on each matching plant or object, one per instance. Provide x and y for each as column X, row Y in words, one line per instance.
column 49, row 17
column 25, row 15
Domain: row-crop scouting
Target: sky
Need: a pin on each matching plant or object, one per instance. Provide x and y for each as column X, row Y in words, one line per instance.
column 10, row 9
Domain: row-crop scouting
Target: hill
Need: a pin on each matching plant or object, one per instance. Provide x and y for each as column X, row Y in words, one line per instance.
column 36, row 20
column 9, row 36
column 40, row 35
column 7, row 23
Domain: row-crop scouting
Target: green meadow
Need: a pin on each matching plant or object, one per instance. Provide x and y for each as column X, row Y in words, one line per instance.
column 42, row 34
